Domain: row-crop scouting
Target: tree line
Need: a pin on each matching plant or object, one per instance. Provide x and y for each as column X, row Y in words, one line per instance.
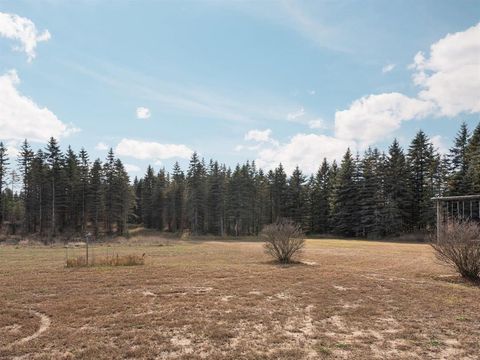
column 374, row 194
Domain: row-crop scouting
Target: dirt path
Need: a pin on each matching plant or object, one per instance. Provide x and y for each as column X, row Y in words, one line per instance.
column 44, row 325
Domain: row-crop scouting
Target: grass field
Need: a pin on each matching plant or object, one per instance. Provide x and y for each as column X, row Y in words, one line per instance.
column 226, row 300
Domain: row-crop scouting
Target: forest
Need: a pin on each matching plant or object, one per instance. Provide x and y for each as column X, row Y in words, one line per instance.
column 371, row 195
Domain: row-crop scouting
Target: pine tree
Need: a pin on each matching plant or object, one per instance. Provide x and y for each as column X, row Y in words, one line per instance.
column 196, row 196
column 96, row 196
column 109, row 178
column 297, row 198
column 122, row 199
column 178, row 192
column 54, row 162
column 24, row 162
column 397, row 191
column 473, row 160
column 216, row 200
column 84, row 168
column 148, row 186
column 278, row 188
column 72, row 189
column 371, row 195
column 421, row 158
column 159, row 200
column 345, row 216
column 459, row 184
column 320, row 199
column 3, row 172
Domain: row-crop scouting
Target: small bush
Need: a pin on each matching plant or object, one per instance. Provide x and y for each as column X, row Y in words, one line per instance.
column 459, row 246
column 78, row 261
column 283, row 240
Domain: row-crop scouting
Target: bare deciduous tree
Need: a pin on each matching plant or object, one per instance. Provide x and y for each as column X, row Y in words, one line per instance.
column 459, row 246
column 283, row 240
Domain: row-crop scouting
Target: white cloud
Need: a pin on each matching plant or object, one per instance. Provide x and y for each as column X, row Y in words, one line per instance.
column 304, row 150
column 450, row 83
column 387, row 68
column 143, row 113
column 259, row 135
column 145, row 150
column 294, row 115
column 373, row 117
column 101, row 146
column 131, row 168
column 312, row 92
column 23, row 30
column 450, row 75
column 317, row 124
column 21, row 118
column 439, row 144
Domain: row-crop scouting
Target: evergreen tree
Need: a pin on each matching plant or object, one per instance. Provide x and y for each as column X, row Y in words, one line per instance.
column 84, row 168
column 297, row 198
column 345, row 215
column 96, row 196
column 54, row 162
column 109, row 179
column 459, row 184
column 196, row 194
column 473, row 161
column 320, row 199
column 3, row 172
column 421, row 158
column 148, row 186
column 216, row 200
column 397, row 191
column 159, row 200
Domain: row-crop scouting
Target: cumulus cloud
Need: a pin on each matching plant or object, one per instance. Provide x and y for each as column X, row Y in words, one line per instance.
column 143, row 113
column 131, row 168
column 439, row 144
column 101, row 146
column 304, row 150
column 145, row 150
column 449, row 78
column 21, row 118
column 373, row 117
column 387, row 68
column 450, row 75
column 22, row 30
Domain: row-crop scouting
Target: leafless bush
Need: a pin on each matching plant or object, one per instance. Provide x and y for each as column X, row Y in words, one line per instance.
column 459, row 246
column 283, row 240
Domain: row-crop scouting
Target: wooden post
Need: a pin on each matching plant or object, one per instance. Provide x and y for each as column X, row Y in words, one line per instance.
column 438, row 220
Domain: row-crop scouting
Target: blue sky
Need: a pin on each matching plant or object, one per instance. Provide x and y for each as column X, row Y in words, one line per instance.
column 270, row 81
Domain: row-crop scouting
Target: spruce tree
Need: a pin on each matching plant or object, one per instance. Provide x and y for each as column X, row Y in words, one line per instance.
column 320, row 199
column 297, row 198
column 345, row 215
column 96, row 194
column 3, row 172
column 459, row 184
column 397, row 191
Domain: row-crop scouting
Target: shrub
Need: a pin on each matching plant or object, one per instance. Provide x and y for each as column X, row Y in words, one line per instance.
column 283, row 240
column 459, row 246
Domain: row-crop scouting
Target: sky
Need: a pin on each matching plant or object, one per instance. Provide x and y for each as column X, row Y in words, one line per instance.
column 270, row 81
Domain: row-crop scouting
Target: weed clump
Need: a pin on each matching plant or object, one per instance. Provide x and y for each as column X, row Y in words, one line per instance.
column 118, row 260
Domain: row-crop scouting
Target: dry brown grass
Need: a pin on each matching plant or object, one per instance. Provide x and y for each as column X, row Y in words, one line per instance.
column 115, row 260
column 225, row 300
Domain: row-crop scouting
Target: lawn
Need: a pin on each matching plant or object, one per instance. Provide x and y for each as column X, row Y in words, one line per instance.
column 226, row 300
